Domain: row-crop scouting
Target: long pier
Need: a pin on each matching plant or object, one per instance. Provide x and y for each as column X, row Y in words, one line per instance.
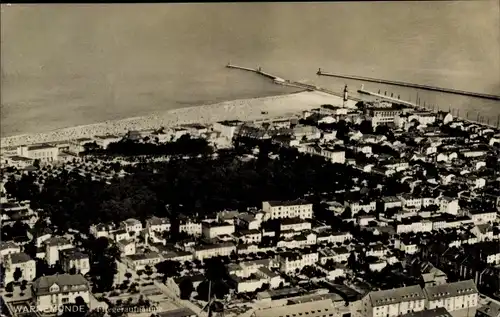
column 396, row 100
column 411, row 85
column 284, row 82
column 258, row 71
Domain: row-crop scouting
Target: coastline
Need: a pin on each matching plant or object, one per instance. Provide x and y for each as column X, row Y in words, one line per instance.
column 239, row 109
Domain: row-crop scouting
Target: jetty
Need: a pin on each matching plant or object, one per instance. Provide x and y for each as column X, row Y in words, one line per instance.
column 257, row 70
column 281, row 81
column 410, row 85
column 384, row 97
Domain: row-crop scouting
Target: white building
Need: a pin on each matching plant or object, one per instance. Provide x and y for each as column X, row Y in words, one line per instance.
column 105, row 140
column 8, row 247
column 101, row 230
column 290, row 262
column 132, row 225
column 209, row 251
column 155, row 224
column 452, row 296
column 126, row 247
column 20, row 262
column 227, row 129
column 287, row 209
column 211, row 230
column 190, row 228
column 51, row 292
column 295, row 224
column 447, row 205
column 410, row 202
column 394, row 302
column 391, row 202
column 482, row 216
column 332, row 154
column 71, row 259
column 45, row 153
column 357, row 206
column 406, row 245
column 52, row 248
column 337, row 255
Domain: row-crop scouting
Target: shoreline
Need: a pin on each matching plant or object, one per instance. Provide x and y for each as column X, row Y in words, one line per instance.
column 239, row 109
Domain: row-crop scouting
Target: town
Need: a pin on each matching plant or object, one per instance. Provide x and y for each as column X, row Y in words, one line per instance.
column 379, row 209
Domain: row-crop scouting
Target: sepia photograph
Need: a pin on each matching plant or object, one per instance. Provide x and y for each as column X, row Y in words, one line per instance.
column 250, row 159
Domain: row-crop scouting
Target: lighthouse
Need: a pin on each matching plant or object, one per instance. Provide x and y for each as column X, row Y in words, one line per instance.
column 345, row 95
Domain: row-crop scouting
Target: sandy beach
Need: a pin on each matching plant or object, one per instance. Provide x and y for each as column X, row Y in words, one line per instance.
column 243, row 109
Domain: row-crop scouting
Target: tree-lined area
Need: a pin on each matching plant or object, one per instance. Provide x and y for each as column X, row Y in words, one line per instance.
column 195, row 185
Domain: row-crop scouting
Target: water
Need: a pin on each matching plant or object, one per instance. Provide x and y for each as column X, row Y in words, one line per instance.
column 65, row 65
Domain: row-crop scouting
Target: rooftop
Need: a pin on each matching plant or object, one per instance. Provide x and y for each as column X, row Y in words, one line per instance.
column 20, row 257
column 397, row 295
column 451, row 290
column 40, row 147
column 288, row 203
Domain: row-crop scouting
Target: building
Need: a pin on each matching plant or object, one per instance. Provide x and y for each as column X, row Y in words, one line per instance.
column 8, row 247
column 191, row 228
column 357, row 206
column 211, row 230
column 126, row 247
column 155, row 224
column 383, row 116
column 105, row 140
column 482, row 216
column 227, row 129
column 287, row 209
column 249, row 236
column 72, row 259
column 51, row 292
column 19, row 262
column 337, row 255
column 45, row 153
column 18, row 161
column 52, row 248
column 448, row 205
column 490, row 309
column 295, row 224
column 179, row 312
column 394, row 302
column 77, row 146
column 132, row 225
column 334, row 155
column 212, row 250
column 391, row 202
column 101, row 230
column 293, row 262
column 452, row 296
column 139, row 262
column 323, row 305
column 437, row 312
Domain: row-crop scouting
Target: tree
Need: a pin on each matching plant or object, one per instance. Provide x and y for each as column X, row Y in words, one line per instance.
column 9, row 287
column 168, row 268
column 128, row 275
column 186, row 288
column 347, row 214
column 18, row 273
column 23, row 286
column 366, row 127
column 36, row 163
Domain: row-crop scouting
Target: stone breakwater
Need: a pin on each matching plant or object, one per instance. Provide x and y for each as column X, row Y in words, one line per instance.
column 243, row 109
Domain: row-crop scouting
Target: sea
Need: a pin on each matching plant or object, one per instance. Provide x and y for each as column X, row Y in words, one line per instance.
column 71, row 64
